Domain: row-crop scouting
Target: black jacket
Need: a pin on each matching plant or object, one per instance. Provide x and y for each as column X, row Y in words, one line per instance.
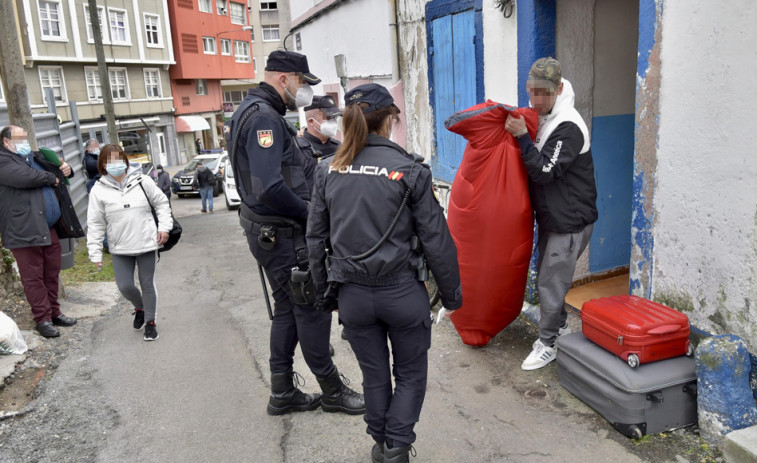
column 22, row 205
column 315, row 151
column 205, row 177
column 561, row 181
column 268, row 165
column 164, row 183
column 351, row 209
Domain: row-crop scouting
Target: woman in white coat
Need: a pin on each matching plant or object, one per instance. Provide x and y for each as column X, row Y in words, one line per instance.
column 119, row 205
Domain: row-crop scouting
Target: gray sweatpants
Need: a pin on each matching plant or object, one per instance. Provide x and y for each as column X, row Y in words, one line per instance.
column 123, row 269
column 558, row 254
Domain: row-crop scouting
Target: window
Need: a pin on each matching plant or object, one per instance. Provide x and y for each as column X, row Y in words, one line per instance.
column 234, row 97
column 226, row 47
column 268, row 6
column 237, row 13
column 209, row 45
column 119, row 27
column 205, row 6
column 252, row 34
column 242, row 51
column 52, row 77
column 221, row 7
column 271, row 33
column 255, row 65
column 103, row 29
column 152, row 30
column 94, row 89
column 51, row 20
column 201, row 85
column 119, row 85
column 152, row 83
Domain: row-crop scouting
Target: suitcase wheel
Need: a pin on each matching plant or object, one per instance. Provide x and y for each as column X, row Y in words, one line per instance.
column 636, row 432
column 633, row 360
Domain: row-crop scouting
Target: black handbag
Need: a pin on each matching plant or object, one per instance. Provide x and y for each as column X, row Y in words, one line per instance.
column 174, row 235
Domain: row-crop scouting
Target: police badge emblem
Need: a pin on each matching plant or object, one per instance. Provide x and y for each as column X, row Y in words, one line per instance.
column 265, row 138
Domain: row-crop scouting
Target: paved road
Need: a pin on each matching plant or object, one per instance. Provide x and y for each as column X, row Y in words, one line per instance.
column 199, row 392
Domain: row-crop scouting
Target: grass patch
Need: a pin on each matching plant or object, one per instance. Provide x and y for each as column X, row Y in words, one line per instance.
column 84, row 270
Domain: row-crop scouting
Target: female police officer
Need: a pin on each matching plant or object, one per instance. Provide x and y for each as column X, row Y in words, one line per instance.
column 373, row 211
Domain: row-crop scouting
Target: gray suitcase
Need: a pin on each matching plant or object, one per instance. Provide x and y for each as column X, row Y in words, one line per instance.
column 649, row 399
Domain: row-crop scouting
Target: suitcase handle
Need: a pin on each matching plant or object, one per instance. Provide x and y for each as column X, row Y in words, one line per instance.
column 664, row 329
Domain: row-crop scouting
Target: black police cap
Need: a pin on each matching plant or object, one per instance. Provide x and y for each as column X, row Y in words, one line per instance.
column 289, row 61
column 375, row 95
column 325, row 103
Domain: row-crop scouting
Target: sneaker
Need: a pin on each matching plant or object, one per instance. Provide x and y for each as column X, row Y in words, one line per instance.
column 139, row 319
column 565, row 329
column 539, row 357
column 203, row 211
column 151, row 333
column 211, row 211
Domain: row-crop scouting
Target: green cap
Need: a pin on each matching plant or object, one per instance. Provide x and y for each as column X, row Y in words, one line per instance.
column 545, row 72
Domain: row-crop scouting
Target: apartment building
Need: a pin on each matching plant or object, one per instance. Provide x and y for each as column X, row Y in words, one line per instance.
column 212, row 43
column 270, row 22
column 59, row 54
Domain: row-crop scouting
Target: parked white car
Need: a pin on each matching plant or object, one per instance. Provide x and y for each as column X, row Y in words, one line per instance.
column 230, row 188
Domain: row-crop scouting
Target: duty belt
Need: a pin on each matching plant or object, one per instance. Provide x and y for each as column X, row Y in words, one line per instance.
column 283, row 231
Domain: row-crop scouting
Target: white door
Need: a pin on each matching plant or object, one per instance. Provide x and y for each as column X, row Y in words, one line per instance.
column 162, row 149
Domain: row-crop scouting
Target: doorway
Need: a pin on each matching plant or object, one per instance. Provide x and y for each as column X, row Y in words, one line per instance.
column 162, row 158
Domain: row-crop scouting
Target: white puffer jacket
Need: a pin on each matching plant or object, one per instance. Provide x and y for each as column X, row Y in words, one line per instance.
column 123, row 212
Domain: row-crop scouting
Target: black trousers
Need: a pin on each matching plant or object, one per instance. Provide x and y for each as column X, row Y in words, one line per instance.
column 292, row 323
column 400, row 313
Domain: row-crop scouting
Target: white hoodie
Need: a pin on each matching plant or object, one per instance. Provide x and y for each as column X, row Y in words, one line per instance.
column 123, row 212
column 564, row 110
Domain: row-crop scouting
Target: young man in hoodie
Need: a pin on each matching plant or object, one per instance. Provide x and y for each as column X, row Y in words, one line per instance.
column 563, row 195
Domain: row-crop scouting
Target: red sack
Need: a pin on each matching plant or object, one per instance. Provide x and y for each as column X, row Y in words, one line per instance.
column 491, row 221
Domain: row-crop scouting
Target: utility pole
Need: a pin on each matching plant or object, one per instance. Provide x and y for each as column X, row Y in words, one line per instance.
column 102, row 70
column 12, row 72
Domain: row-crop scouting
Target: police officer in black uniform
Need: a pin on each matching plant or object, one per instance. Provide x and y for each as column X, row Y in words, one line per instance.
column 322, row 126
column 272, row 184
column 373, row 222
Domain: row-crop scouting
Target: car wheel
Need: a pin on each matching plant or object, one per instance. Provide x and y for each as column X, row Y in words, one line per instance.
column 228, row 206
column 216, row 190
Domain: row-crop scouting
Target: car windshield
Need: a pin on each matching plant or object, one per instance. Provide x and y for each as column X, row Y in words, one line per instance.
column 229, row 171
column 209, row 163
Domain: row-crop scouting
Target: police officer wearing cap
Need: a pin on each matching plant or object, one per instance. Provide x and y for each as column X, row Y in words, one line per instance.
column 373, row 222
column 272, row 184
column 322, row 126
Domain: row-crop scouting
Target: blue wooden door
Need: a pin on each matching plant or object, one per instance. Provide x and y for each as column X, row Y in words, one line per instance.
column 453, row 64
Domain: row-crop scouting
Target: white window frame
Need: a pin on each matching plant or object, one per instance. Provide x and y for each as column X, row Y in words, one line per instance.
column 208, row 8
column 226, row 47
column 204, row 87
column 209, row 46
column 156, row 71
column 231, row 11
column 104, row 25
column 127, row 33
column 255, row 66
column 237, row 56
column 268, row 9
column 252, row 34
column 270, row 28
column 159, row 31
column 63, row 37
column 97, row 85
column 62, row 83
column 111, row 73
column 222, row 11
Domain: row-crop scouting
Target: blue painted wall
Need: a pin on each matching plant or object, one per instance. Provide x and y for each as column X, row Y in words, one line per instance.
column 536, row 38
column 612, row 150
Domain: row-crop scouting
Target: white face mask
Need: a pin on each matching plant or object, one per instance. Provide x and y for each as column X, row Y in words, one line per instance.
column 303, row 97
column 327, row 128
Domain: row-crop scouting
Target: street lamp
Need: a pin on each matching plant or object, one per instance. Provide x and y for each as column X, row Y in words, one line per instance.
column 244, row 28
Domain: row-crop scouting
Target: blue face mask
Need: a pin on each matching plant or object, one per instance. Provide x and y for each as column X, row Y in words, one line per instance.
column 116, row 169
column 23, row 148
column 95, row 152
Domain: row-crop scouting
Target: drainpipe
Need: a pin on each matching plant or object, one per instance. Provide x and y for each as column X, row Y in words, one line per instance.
column 397, row 40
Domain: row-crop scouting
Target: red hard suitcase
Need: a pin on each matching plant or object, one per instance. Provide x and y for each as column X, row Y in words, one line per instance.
column 636, row 329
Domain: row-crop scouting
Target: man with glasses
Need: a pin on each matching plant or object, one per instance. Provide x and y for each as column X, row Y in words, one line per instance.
column 563, row 195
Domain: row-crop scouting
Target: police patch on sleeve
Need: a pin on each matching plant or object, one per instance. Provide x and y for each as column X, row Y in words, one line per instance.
column 265, row 138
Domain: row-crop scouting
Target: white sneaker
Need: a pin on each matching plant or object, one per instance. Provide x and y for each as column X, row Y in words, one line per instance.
column 539, row 357
column 564, row 330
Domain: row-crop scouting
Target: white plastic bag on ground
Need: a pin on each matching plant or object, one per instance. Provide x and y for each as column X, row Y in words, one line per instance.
column 11, row 341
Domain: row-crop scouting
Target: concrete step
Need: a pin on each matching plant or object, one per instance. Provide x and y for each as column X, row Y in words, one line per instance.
column 741, row 446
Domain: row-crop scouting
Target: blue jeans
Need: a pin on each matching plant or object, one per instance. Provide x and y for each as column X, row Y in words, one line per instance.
column 206, row 193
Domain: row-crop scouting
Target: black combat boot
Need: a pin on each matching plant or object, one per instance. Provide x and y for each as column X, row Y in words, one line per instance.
column 377, row 453
column 337, row 397
column 398, row 453
column 286, row 397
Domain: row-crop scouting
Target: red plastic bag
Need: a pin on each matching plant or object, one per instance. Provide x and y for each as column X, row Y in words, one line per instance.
column 491, row 221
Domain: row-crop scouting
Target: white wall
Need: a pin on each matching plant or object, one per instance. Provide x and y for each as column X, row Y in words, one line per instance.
column 500, row 55
column 361, row 31
column 705, row 197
